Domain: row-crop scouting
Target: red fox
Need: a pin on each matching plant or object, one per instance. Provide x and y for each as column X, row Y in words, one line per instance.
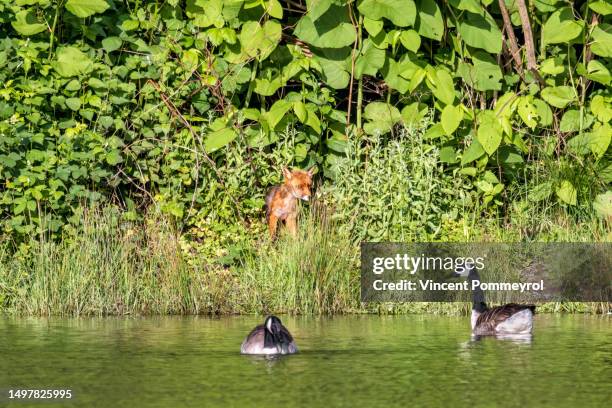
column 281, row 201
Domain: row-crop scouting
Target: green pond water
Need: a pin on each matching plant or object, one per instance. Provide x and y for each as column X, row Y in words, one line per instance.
column 355, row 361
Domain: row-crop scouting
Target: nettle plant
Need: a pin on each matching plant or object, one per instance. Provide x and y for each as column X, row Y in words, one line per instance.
column 146, row 103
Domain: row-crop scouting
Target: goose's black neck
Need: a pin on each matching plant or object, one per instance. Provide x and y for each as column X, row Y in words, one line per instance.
column 269, row 341
column 478, row 298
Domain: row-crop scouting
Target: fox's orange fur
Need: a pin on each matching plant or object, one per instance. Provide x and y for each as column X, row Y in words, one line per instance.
column 281, row 201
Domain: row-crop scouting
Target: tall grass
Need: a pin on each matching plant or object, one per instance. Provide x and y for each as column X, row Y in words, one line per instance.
column 315, row 273
column 111, row 267
column 104, row 267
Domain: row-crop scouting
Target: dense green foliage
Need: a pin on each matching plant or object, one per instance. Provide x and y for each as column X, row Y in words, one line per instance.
column 193, row 106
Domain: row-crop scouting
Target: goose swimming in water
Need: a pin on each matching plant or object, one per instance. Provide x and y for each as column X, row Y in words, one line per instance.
column 269, row 338
column 511, row 318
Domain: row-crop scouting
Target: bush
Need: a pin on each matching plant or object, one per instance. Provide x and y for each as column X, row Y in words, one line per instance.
column 184, row 105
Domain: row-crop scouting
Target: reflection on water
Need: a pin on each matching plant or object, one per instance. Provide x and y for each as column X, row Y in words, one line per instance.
column 515, row 338
column 344, row 361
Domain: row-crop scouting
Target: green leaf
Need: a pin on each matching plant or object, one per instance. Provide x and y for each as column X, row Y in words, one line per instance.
column 540, row 192
column 413, row 114
column 392, row 74
column 86, row 8
column 73, row 85
column 602, row 40
column 316, row 8
column 429, row 23
column 208, row 12
column 601, row 108
column 106, row 121
column 545, row 6
column 95, row 83
column 274, row 8
column 441, row 84
column 603, row 7
column 435, row 131
column 73, row 103
column 506, row 105
column 335, row 63
column 313, row 120
column 559, row 96
column 448, row 155
column 599, row 139
column 113, row 157
column 472, row 6
column 579, row 144
column 373, row 27
column 552, row 66
column 473, row 152
column 489, row 132
column 337, row 143
column 417, row 78
column 481, row 31
column 571, row 121
column 70, row 61
column 300, row 152
column 277, row 112
column 561, row 27
column 219, row 138
column 381, row 116
column 451, row 118
column 567, row 192
column 411, row 40
column 333, row 29
column 484, row 75
column 129, row 25
column 190, row 59
column 299, row 108
column 484, row 186
column 369, row 60
column 603, row 205
column 400, row 12
column 527, row 111
column 545, row 114
column 596, row 71
column 259, row 41
column 510, row 158
column 111, row 44
column 27, row 24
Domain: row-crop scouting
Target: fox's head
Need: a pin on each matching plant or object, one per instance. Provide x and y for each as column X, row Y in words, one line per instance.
column 299, row 182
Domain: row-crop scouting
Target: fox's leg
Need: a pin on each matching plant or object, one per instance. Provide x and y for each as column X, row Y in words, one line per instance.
column 292, row 224
column 272, row 223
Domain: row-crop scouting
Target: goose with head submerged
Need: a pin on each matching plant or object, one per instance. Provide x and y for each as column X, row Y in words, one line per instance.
column 270, row 338
column 511, row 318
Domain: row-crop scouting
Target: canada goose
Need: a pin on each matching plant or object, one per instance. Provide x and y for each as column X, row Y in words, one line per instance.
column 269, row 338
column 510, row 318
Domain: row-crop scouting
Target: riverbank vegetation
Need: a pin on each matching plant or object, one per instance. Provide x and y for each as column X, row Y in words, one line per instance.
column 138, row 139
column 108, row 264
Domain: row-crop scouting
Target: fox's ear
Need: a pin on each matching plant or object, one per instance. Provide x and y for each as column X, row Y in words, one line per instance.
column 286, row 172
column 310, row 171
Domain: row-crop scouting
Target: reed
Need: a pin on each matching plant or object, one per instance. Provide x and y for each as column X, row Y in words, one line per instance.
column 104, row 267
column 111, row 267
column 316, row 273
